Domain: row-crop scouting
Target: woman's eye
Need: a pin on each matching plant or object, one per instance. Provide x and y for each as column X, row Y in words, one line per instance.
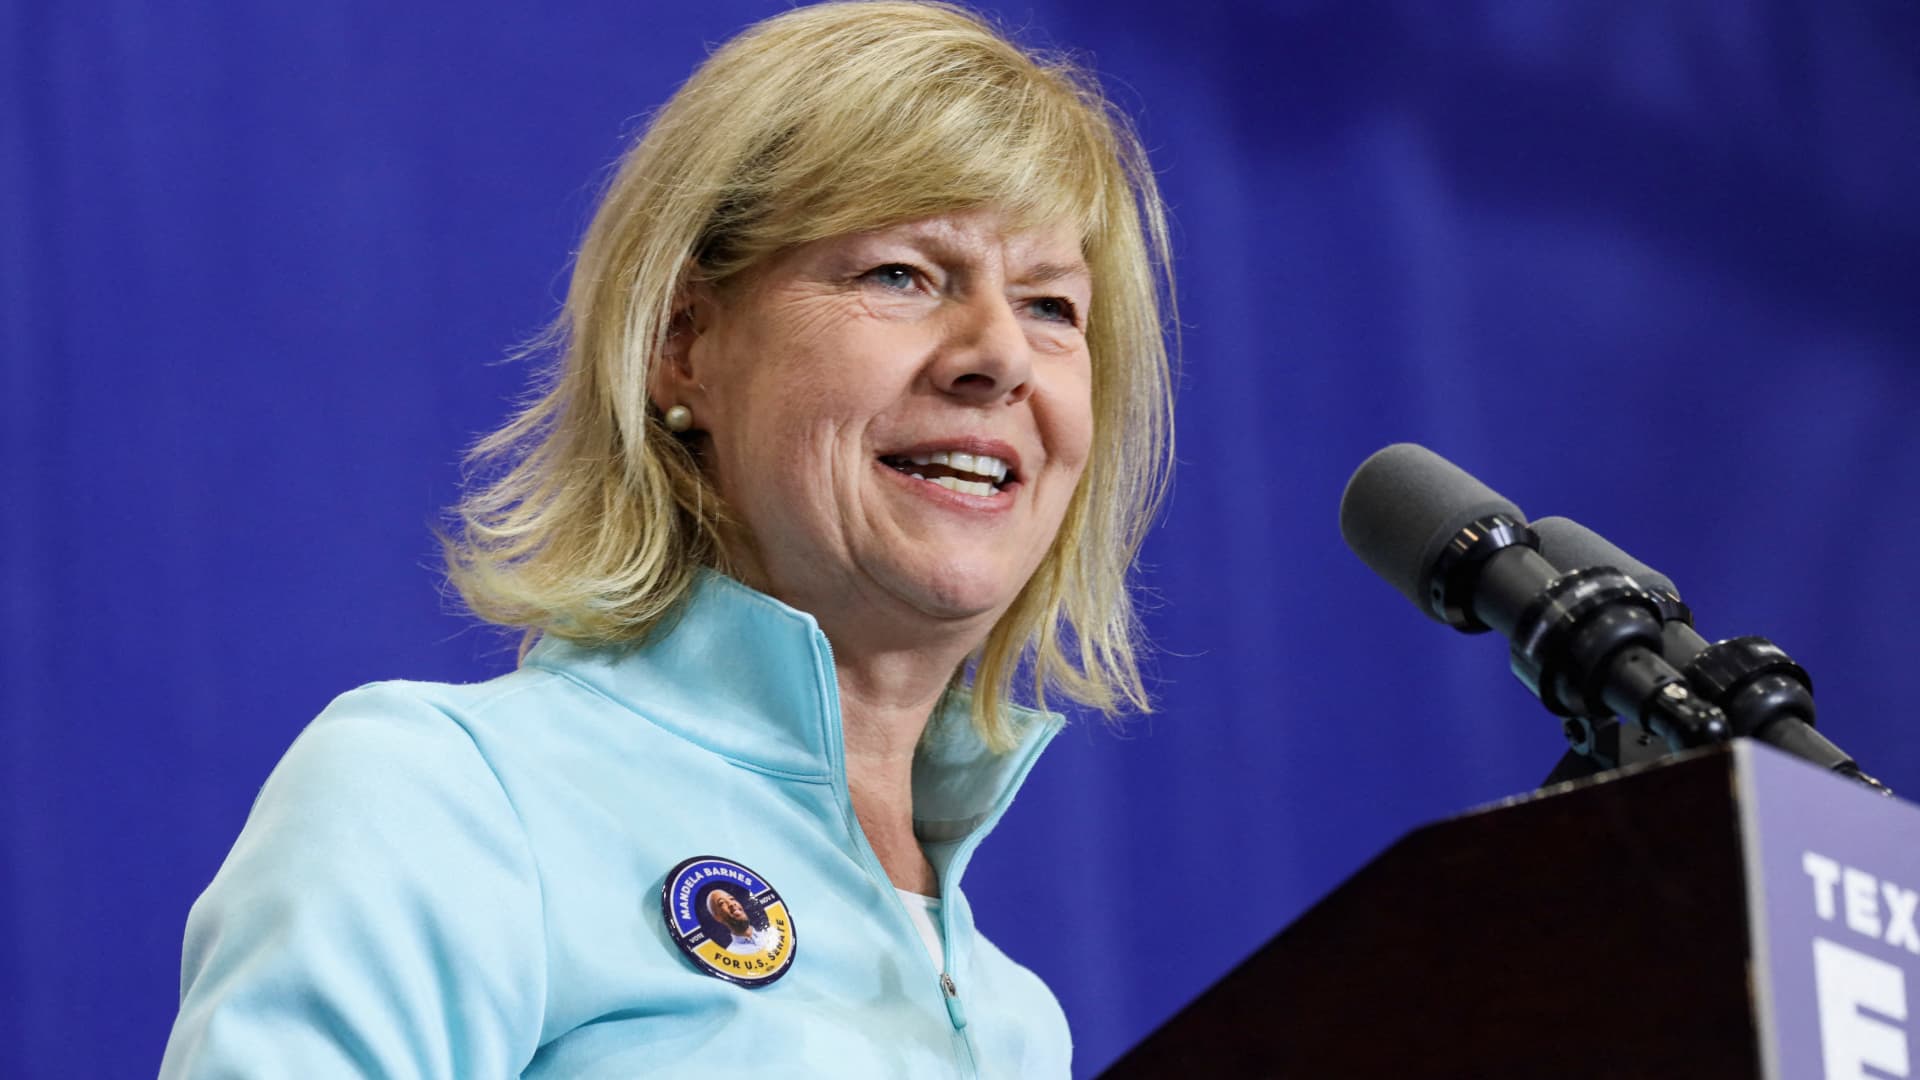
column 892, row 275
column 1054, row 309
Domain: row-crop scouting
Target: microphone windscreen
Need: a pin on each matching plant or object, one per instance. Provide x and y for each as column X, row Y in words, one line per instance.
column 1569, row 545
column 1402, row 507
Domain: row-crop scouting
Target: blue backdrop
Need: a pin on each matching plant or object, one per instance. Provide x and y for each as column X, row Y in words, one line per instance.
column 1650, row 265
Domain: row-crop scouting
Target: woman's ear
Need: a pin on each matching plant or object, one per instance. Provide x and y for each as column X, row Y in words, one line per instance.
column 677, row 378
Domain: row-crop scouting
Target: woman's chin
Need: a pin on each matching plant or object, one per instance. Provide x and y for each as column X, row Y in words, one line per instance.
column 955, row 593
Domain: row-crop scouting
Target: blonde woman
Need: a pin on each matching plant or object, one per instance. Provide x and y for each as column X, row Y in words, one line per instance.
column 859, row 409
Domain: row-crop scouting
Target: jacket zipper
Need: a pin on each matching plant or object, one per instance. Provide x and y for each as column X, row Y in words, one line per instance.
column 967, row 1062
column 962, row 855
column 957, row 1013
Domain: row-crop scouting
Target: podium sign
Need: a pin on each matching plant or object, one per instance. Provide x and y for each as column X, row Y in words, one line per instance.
column 1834, row 924
column 1731, row 912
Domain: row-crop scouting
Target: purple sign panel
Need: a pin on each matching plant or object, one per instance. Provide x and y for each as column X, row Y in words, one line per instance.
column 1835, row 940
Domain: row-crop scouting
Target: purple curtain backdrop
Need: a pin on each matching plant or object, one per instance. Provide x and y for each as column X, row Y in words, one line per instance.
column 1653, row 266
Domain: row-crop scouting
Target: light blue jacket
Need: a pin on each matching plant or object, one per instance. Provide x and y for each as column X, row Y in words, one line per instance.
column 464, row 881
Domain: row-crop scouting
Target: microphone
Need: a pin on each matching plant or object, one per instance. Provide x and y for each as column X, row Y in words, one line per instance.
column 1765, row 695
column 1569, row 545
column 1586, row 643
column 1402, row 508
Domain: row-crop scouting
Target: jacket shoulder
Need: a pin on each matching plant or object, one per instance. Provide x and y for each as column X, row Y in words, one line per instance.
column 380, row 912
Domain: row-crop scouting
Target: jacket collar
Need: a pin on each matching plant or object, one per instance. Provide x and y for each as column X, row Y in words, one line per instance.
column 752, row 680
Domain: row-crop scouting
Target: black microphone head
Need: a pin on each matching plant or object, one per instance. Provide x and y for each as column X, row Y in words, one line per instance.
column 1569, row 545
column 1402, row 507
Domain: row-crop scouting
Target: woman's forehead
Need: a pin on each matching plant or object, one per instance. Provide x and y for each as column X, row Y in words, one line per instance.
column 1045, row 251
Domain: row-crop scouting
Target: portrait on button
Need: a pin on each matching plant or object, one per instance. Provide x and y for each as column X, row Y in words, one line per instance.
column 736, row 922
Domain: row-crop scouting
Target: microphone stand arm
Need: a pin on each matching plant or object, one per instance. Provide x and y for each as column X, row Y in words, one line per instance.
column 1768, row 697
column 1586, row 643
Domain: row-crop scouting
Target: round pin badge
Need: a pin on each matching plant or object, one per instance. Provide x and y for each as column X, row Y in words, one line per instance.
column 728, row 920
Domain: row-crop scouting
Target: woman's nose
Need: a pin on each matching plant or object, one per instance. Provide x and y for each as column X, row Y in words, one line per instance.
column 987, row 357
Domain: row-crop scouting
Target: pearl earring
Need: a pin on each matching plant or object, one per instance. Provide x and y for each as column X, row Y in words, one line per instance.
column 679, row 419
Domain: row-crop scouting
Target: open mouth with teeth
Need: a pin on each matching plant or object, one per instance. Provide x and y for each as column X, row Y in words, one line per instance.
column 968, row 474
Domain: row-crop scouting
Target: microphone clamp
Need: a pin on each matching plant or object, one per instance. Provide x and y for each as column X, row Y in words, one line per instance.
column 1456, row 572
column 1586, row 643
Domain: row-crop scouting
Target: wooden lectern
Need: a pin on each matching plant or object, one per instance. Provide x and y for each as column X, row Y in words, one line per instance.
column 1728, row 913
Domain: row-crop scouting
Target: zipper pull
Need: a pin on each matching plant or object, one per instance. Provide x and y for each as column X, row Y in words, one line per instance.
column 955, row 1011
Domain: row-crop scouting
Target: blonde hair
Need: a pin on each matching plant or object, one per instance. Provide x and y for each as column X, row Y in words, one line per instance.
column 588, row 520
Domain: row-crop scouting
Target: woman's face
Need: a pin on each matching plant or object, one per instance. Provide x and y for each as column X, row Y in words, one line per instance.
column 831, row 376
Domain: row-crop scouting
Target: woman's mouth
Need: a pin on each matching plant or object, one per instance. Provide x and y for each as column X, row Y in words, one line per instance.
column 968, row 474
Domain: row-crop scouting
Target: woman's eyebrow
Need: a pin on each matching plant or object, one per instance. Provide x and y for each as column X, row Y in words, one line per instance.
column 1042, row 273
column 935, row 241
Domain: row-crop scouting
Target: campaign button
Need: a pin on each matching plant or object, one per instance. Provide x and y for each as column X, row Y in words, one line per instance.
column 728, row 920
